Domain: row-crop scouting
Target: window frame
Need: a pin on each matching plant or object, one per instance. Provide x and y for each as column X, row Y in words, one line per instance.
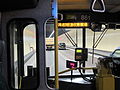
column 10, row 48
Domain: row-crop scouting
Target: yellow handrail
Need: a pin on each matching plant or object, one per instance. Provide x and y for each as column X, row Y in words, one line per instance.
column 56, row 55
column 87, row 68
column 20, row 82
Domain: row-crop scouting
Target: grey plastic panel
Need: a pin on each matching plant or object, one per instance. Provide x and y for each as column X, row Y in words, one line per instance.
column 40, row 14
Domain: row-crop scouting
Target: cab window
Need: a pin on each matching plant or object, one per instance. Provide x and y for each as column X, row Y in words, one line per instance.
column 22, row 48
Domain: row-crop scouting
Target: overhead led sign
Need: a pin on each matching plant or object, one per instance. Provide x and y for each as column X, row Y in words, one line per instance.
column 70, row 25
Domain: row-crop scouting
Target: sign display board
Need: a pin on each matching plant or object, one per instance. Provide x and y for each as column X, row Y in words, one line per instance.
column 73, row 25
column 88, row 16
column 71, row 64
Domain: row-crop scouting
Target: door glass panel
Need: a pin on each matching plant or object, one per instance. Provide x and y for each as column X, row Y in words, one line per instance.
column 23, row 59
column 29, row 35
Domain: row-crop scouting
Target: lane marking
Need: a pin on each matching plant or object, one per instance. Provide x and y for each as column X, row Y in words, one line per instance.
column 62, row 55
column 51, row 34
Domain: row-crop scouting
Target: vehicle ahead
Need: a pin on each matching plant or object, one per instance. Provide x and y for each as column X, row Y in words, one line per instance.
column 49, row 43
column 115, row 53
column 116, row 62
column 62, row 46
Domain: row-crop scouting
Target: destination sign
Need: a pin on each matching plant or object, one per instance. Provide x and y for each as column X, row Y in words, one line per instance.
column 88, row 16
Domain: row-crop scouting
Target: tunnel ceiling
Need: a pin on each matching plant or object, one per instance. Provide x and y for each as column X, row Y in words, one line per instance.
column 111, row 5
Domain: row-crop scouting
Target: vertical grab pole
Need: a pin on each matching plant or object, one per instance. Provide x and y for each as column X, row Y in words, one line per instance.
column 55, row 16
column 76, row 38
column 84, row 44
column 56, row 54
